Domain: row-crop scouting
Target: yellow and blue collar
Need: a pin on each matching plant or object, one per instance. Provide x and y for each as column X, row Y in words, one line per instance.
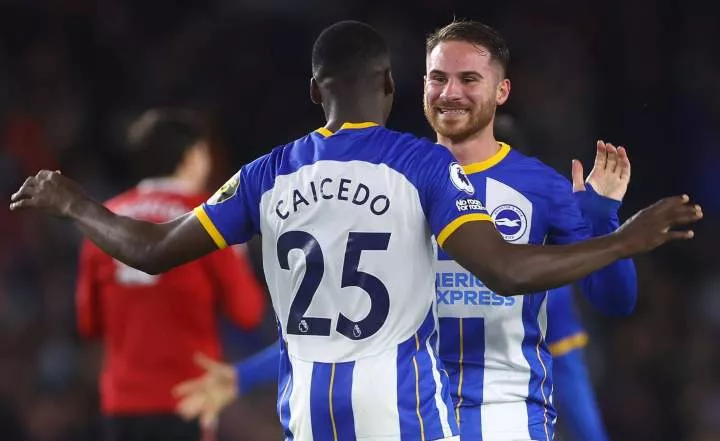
column 489, row 162
column 348, row 125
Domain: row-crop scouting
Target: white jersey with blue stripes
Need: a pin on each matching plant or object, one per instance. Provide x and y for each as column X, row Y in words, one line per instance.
column 347, row 221
column 493, row 347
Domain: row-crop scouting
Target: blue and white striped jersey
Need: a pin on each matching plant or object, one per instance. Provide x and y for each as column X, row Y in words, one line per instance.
column 347, row 221
column 494, row 347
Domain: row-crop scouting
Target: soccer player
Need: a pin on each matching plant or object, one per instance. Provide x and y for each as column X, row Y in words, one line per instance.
column 151, row 325
column 347, row 214
column 494, row 347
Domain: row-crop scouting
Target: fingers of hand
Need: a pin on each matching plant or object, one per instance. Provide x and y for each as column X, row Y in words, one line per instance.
column 680, row 235
column 189, row 387
column 191, row 406
column 623, row 163
column 612, row 158
column 685, row 214
column 206, row 362
column 578, row 179
column 600, row 156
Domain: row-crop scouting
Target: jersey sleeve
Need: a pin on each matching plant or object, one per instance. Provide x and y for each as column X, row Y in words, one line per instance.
column 258, row 370
column 232, row 215
column 446, row 194
column 564, row 331
column 611, row 290
column 567, row 224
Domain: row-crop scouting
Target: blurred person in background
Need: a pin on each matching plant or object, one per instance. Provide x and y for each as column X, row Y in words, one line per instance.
column 151, row 325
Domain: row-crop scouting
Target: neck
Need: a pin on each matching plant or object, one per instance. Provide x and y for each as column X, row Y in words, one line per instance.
column 356, row 111
column 477, row 148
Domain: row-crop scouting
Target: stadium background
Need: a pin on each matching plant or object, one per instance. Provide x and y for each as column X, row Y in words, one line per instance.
column 642, row 73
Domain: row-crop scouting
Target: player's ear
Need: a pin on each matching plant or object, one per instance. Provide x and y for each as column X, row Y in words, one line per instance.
column 389, row 83
column 315, row 95
column 503, row 92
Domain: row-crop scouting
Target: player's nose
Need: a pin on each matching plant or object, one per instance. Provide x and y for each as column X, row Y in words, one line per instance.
column 452, row 90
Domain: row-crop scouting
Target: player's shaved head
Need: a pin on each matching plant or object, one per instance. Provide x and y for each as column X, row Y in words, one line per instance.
column 349, row 51
column 351, row 76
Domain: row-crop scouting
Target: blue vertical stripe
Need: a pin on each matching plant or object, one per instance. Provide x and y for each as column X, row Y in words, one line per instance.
column 444, row 384
column 428, row 388
column 342, row 401
column 539, row 407
column 285, row 387
column 321, row 417
column 412, row 425
column 465, row 362
column 416, row 388
column 331, row 413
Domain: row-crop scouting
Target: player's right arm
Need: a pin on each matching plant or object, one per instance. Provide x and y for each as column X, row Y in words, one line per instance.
column 511, row 269
column 149, row 247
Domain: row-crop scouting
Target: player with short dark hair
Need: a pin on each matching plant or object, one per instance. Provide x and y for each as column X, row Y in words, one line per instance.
column 347, row 216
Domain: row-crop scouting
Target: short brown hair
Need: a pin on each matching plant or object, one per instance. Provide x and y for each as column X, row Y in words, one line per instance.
column 475, row 33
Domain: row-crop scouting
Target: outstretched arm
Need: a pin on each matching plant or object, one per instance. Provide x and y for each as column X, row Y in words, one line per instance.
column 510, row 269
column 149, row 247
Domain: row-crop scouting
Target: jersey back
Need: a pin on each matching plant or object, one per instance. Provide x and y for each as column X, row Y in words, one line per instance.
column 347, row 221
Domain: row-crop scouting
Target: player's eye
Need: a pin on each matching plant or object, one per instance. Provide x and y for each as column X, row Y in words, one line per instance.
column 437, row 79
column 469, row 79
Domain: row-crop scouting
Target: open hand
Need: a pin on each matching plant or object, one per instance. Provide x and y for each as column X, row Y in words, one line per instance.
column 652, row 226
column 610, row 175
column 207, row 395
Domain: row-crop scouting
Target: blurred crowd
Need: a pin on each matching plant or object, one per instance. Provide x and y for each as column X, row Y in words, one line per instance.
column 639, row 73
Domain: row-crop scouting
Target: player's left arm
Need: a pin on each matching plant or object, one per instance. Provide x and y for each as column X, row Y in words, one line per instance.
column 612, row 289
column 573, row 390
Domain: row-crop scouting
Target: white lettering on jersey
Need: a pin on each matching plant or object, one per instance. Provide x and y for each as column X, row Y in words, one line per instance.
column 343, row 296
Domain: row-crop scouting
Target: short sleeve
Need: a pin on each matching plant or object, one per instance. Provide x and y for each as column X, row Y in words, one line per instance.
column 446, row 193
column 566, row 224
column 564, row 330
column 231, row 215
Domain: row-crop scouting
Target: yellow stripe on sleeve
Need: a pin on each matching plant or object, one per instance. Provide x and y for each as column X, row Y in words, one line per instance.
column 209, row 227
column 562, row 347
column 454, row 225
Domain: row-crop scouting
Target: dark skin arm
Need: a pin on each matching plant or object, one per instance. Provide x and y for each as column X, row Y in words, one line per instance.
column 149, row 247
column 510, row 269
column 507, row 269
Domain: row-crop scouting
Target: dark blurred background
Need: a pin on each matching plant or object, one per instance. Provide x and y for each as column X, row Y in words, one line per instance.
column 642, row 73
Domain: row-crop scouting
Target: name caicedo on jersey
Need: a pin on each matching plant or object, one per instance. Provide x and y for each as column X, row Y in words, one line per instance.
column 342, row 189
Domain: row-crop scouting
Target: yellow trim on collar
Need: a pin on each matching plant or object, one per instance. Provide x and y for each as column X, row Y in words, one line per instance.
column 491, row 161
column 348, row 125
